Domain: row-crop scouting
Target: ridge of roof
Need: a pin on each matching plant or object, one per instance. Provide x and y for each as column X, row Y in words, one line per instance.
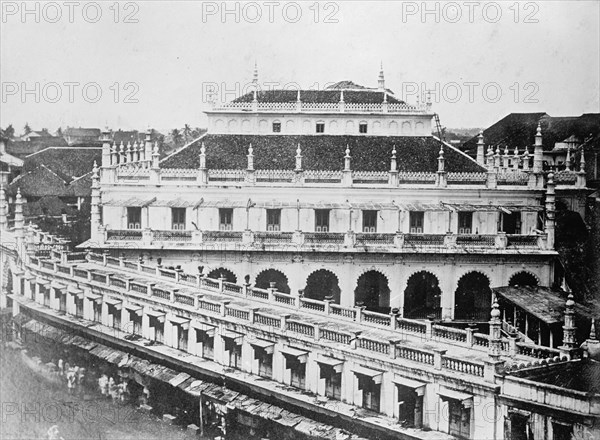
column 183, row 147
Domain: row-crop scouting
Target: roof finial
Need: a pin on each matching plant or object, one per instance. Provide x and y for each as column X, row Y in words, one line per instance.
column 255, row 77
column 593, row 330
column 381, row 82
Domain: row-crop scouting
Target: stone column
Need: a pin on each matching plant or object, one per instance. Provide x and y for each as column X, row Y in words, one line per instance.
column 550, row 211
column 480, row 149
column 569, row 328
column 495, row 345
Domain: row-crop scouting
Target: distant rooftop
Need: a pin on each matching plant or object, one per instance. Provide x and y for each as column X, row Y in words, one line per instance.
column 580, row 375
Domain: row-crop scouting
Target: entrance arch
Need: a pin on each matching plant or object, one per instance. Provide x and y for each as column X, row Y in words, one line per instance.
column 373, row 292
column 322, row 284
column 523, row 279
column 422, row 296
column 222, row 272
column 266, row 277
column 473, row 297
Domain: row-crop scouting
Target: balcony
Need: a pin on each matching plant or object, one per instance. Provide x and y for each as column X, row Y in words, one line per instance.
column 348, row 241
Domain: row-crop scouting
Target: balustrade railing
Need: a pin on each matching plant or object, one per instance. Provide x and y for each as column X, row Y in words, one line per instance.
column 475, row 240
column 522, row 240
column 415, row 355
column 300, row 328
column 273, row 237
column 324, row 238
column 374, row 239
column 172, row 235
column 222, row 236
column 123, row 234
column 462, row 366
column 424, row 239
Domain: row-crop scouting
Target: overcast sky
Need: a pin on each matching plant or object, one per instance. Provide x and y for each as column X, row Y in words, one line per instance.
column 526, row 57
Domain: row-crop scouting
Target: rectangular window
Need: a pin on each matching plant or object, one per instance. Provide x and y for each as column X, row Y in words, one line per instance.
column 134, row 218
column 320, row 127
column 265, row 363
column 298, row 374
column 410, row 407
column 97, row 311
column 465, row 222
column 416, row 222
column 369, row 221
column 371, row 393
column 225, row 219
column 276, row 127
column 333, row 382
column 273, row 219
column 322, row 220
column 362, row 128
column 182, row 338
column 562, row 431
column 459, row 419
column 178, row 218
column 79, row 307
column 235, row 356
column 510, row 223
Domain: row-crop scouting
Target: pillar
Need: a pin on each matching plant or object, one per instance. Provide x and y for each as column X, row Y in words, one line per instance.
column 106, row 159
column 569, row 326
column 480, row 149
column 3, row 210
column 347, row 173
column 550, row 211
column 495, row 345
column 95, row 208
column 441, row 173
column 538, row 151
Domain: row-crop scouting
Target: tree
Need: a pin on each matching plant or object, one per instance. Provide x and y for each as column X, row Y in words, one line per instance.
column 187, row 133
column 59, row 132
column 27, row 128
column 176, row 136
column 8, row 132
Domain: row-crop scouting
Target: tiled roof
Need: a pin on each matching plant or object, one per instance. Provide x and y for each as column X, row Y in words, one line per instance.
column 47, row 205
column 367, row 96
column 579, row 375
column 21, row 149
column 369, row 153
column 67, row 162
column 519, row 129
column 82, row 132
column 39, row 183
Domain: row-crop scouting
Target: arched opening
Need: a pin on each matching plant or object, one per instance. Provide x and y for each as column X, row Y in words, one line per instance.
column 272, row 278
column 422, row 296
column 322, row 284
column 523, row 279
column 373, row 292
column 473, row 297
column 221, row 272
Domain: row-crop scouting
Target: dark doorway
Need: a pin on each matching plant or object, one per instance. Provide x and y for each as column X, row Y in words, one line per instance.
column 473, row 297
column 265, row 278
column 523, row 279
column 422, row 296
column 322, row 284
column 219, row 272
column 373, row 292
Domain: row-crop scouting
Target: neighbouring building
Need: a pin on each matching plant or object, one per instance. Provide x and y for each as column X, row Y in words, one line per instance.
column 81, row 135
column 323, row 251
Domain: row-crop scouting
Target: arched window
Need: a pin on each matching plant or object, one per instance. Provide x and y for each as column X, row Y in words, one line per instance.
column 221, row 272
column 422, row 296
column 322, row 284
column 473, row 297
column 272, row 278
column 373, row 292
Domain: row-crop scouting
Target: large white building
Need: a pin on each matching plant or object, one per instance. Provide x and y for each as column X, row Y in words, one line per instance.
column 323, row 250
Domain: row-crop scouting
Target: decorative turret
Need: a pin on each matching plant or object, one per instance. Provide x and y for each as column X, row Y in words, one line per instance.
column 441, row 172
column 497, row 158
column 490, row 158
column 202, row 157
column 347, row 159
column 568, row 160
column 569, row 326
column 155, row 156
column 298, row 159
column 95, row 203
column 581, row 179
column 495, row 345
column 255, row 76
column 394, row 163
column 480, row 149
column 106, row 159
column 591, row 346
column 516, row 159
column 550, row 211
column 3, row 213
column 505, row 158
column 250, row 158
column 148, row 146
column 122, row 153
column 526, row 159
column 129, row 156
column 19, row 225
column 381, row 81
column 538, row 152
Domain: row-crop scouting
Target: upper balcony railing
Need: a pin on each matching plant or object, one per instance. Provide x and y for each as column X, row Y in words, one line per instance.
column 322, row 107
column 282, row 240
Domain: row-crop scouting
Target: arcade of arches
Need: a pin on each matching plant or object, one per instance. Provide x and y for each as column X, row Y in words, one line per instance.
column 523, row 279
column 221, row 272
column 272, row 278
column 322, row 284
column 473, row 297
column 373, row 292
column 422, row 296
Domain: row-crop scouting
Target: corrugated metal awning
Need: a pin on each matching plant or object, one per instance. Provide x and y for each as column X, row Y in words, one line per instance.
column 508, row 208
column 405, row 381
column 465, row 399
column 133, row 202
column 375, row 375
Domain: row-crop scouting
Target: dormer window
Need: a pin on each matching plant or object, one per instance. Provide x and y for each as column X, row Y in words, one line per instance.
column 276, row 127
column 362, row 127
column 320, row 127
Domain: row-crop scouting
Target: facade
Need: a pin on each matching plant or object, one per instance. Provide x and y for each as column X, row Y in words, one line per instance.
column 342, row 268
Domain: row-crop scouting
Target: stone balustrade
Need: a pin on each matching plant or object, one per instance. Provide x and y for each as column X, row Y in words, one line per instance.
column 298, row 240
column 323, row 107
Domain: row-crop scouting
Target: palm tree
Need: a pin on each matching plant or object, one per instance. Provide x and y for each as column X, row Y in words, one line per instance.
column 176, row 136
column 187, row 133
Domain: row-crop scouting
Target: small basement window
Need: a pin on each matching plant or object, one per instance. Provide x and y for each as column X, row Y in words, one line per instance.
column 320, row 127
column 276, row 127
column 362, row 127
